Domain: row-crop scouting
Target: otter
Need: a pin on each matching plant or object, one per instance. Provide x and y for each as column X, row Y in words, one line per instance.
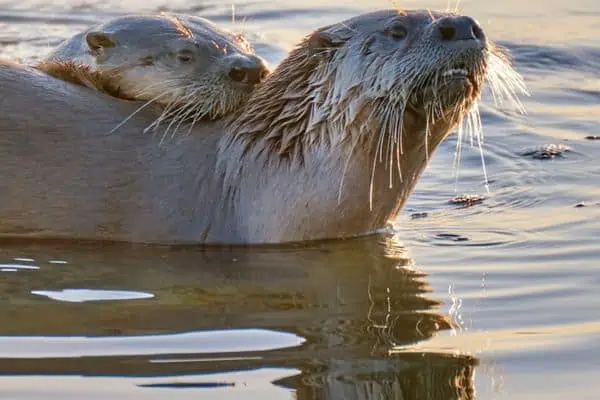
column 186, row 64
column 329, row 146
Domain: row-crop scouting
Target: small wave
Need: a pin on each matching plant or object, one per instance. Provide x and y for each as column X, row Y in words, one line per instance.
column 85, row 295
column 24, row 259
column 464, row 236
column 550, row 58
column 17, row 267
column 194, row 342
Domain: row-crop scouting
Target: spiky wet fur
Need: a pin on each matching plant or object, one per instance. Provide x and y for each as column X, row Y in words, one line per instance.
column 344, row 95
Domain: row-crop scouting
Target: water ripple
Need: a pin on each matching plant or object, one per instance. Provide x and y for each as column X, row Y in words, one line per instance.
column 17, row 267
column 83, row 295
column 551, row 58
column 217, row 341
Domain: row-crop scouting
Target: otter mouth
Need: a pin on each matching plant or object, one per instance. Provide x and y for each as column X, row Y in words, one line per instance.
column 446, row 89
column 449, row 86
column 460, row 73
column 456, row 74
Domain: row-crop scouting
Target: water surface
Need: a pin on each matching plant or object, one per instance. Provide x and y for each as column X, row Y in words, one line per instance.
column 494, row 301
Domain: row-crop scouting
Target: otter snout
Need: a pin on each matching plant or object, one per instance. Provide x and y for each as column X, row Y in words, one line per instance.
column 456, row 28
column 249, row 69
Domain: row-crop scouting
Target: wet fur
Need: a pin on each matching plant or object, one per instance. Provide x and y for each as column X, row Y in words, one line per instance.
column 308, row 157
column 108, row 82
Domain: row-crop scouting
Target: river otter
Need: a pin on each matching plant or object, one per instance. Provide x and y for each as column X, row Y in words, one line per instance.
column 329, row 146
column 184, row 63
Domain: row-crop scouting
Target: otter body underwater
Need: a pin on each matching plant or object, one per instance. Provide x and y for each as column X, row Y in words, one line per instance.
column 329, row 146
column 184, row 63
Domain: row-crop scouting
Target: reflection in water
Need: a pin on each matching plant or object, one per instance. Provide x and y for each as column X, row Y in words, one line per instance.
column 351, row 301
column 81, row 295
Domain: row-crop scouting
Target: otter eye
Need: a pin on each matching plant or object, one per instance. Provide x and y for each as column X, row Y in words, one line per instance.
column 396, row 32
column 185, row 56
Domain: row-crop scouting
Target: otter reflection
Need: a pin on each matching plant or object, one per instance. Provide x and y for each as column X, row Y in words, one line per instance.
column 352, row 301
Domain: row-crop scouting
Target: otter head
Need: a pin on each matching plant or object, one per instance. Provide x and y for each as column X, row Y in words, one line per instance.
column 370, row 99
column 185, row 63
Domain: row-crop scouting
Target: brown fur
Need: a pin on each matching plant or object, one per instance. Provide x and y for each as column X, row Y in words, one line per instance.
column 107, row 82
column 289, row 104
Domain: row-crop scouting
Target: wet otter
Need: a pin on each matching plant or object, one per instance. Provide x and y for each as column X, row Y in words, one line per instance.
column 330, row 146
column 184, row 63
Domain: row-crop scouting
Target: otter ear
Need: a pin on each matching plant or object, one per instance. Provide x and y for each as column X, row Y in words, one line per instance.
column 99, row 40
column 322, row 40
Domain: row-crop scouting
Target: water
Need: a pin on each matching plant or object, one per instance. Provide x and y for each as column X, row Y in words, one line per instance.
column 494, row 301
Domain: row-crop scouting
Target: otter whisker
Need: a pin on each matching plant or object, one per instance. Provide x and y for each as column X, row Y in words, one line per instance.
column 470, row 128
column 178, row 118
column 398, row 131
column 475, row 115
column 146, row 89
column 391, row 144
column 183, row 117
column 143, row 106
column 505, row 82
column 431, row 15
column 428, row 122
column 458, row 153
column 345, row 169
column 194, row 109
column 372, row 180
column 456, row 8
column 186, row 103
column 378, row 155
column 395, row 130
column 199, row 113
column 179, row 114
column 380, row 142
column 164, row 115
column 169, row 111
column 472, row 122
column 398, row 157
column 390, row 161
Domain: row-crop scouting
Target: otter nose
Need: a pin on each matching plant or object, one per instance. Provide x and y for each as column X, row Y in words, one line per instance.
column 249, row 69
column 459, row 28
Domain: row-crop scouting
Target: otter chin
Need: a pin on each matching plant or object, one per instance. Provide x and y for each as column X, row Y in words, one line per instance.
column 329, row 146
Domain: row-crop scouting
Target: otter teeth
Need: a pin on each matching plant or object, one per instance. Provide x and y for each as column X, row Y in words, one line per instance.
column 455, row 72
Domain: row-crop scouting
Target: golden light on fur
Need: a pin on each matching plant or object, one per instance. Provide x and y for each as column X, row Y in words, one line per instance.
column 106, row 81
